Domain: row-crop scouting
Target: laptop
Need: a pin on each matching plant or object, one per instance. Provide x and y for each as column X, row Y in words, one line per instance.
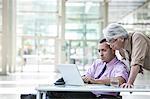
column 70, row 74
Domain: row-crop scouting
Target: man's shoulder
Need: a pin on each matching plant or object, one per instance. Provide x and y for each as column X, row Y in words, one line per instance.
column 98, row 61
column 119, row 63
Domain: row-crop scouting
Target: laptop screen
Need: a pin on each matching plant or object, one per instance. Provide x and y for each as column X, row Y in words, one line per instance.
column 70, row 74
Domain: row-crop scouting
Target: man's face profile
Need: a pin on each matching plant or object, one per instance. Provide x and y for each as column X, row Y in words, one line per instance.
column 106, row 53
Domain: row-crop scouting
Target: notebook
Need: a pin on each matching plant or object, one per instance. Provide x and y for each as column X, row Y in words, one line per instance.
column 70, row 74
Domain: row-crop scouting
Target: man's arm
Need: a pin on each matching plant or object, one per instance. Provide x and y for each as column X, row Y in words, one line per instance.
column 107, row 80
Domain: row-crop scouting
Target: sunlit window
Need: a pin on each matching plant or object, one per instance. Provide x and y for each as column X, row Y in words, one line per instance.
column 36, row 31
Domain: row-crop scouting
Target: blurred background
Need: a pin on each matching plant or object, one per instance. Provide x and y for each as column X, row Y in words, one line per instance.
column 37, row 35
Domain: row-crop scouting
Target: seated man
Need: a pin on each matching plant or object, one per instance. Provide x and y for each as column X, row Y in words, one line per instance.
column 100, row 72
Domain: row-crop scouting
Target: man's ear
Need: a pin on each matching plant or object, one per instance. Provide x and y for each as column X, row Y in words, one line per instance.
column 113, row 51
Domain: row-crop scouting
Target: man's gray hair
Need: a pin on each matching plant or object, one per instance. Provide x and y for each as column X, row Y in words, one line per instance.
column 113, row 31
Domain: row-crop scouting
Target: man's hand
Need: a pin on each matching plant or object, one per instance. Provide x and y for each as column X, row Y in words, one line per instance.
column 88, row 79
column 126, row 85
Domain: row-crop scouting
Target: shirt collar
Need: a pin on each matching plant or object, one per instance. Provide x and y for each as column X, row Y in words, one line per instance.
column 109, row 64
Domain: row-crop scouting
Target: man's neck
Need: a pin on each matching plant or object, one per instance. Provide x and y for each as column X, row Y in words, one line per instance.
column 110, row 59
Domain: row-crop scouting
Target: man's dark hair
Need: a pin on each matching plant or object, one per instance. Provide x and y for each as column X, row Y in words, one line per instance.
column 103, row 40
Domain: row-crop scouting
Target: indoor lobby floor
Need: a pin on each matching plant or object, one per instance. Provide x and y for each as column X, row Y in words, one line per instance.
column 12, row 85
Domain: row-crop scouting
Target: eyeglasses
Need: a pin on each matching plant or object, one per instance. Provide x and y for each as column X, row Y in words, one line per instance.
column 112, row 41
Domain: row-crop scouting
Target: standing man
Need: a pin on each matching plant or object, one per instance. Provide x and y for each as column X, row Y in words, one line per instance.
column 133, row 46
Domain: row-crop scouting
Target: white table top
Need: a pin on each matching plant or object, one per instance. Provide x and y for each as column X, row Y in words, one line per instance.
column 93, row 87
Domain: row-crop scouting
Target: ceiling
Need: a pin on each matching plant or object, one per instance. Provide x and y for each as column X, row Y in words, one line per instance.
column 118, row 9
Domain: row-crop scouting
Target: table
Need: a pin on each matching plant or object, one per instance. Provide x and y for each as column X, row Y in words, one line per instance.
column 42, row 89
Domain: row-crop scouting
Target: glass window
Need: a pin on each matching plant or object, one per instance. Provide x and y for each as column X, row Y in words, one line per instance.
column 36, row 31
column 0, row 16
column 34, row 19
column 82, row 20
column 82, row 31
column 0, row 35
column 138, row 20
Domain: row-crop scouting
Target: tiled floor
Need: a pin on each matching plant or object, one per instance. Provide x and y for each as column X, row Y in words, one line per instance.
column 11, row 86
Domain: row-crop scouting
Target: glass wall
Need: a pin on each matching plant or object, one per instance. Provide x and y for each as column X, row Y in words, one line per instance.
column 0, row 35
column 82, row 31
column 36, row 33
column 39, row 29
column 139, row 20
